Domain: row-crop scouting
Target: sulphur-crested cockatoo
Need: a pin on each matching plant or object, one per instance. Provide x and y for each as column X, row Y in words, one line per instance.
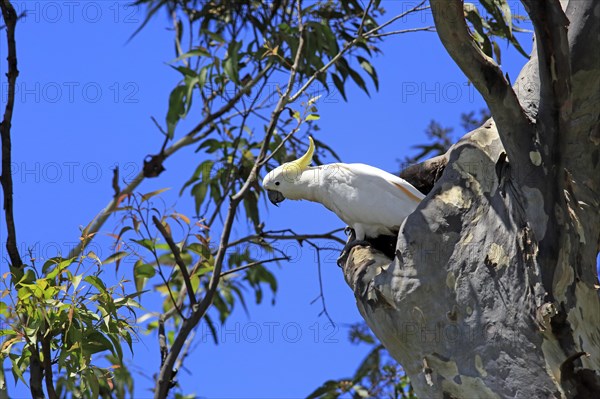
column 369, row 200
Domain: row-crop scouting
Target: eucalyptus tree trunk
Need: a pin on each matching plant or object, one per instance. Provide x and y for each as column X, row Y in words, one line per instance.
column 493, row 292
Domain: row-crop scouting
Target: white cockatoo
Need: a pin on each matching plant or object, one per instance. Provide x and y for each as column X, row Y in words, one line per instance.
column 369, row 200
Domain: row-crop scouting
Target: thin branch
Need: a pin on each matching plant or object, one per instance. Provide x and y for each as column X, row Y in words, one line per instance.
column 321, row 291
column 186, row 349
column 401, row 31
column 486, row 76
column 364, row 18
column 252, row 264
column 177, row 29
column 10, row 19
column 285, row 140
column 162, row 340
column 277, row 235
column 416, row 8
column 177, row 254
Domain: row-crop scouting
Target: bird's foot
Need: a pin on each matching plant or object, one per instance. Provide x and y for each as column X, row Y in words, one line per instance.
column 349, row 231
column 352, row 242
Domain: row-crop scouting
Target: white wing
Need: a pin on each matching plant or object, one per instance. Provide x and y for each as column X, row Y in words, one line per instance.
column 369, row 199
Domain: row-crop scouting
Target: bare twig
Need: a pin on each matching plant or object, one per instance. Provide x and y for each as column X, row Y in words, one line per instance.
column 401, row 31
column 10, row 19
column 364, row 18
column 252, row 264
column 321, row 291
column 418, row 7
column 280, row 235
column 186, row 349
column 285, row 140
column 177, row 254
column 162, row 340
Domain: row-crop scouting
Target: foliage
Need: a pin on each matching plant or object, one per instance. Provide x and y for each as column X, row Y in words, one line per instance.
column 61, row 317
column 497, row 22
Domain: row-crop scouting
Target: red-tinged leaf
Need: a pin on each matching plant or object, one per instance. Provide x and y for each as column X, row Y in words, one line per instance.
column 149, row 195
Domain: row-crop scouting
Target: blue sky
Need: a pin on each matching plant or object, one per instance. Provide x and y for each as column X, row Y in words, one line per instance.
column 85, row 96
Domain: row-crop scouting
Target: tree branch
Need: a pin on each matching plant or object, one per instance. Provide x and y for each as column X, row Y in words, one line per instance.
column 47, row 365
column 278, row 235
column 177, row 254
column 424, row 175
column 10, row 19
column 252, row 264
column 36, row 373
column 401, row 31
column 487, row 78
column 550, row 24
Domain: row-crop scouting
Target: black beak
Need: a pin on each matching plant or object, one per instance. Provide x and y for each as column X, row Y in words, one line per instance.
column 275, row 197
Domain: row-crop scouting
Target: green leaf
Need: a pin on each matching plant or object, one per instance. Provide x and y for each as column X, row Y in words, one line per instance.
column 176, row 109
column 5, row 332
column 313, row 117
column 329, row 388
column 497, row 53
column 92, row 382
column 115, row 257
column 95, row 257
column 366, row 65
column 231, row 62
column 96, row 282
column 197, row 52
column 251, row 207
column 59, row 268
column 4, row 311
column 212, row 329
column 339, row 85
column 144, row 270
column 197, row 248
column 17, row 374
column 96, row 342
column 199, row 192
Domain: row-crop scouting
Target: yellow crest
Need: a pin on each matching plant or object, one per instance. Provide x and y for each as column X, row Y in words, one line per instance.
column 305, row 160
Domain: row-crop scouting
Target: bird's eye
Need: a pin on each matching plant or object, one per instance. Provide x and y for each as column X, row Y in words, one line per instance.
column 276, row 183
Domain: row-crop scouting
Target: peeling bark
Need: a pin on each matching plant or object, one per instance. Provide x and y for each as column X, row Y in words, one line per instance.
column 493, row 292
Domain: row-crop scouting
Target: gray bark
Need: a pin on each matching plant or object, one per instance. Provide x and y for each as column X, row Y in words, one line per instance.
column 493, row 292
